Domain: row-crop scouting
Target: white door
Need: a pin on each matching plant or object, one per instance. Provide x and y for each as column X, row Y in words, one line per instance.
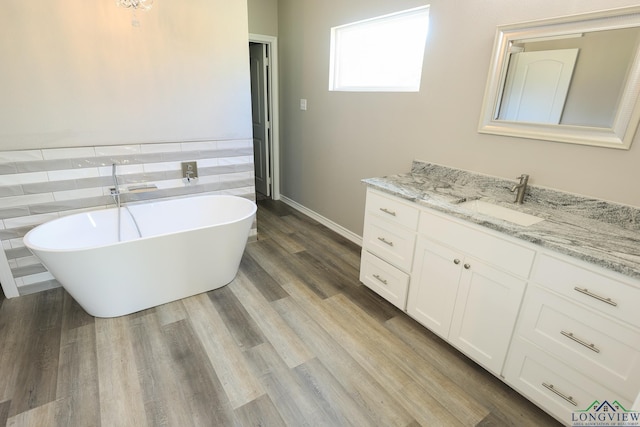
column 537, row 86
column 260, row 114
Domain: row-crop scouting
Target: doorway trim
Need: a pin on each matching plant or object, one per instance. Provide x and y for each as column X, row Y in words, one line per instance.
column 272, row 47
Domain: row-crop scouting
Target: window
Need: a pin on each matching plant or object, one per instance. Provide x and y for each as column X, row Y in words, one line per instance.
column 382, row 54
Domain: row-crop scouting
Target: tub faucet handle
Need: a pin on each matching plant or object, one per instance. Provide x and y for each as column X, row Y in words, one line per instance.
column 189, row 171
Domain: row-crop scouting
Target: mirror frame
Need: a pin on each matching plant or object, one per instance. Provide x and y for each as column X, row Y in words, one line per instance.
column 625, row 123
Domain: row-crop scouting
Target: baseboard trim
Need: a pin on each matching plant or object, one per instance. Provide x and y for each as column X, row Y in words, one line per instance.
column 324, row 221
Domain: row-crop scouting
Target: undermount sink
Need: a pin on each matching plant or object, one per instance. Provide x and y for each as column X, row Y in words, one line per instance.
column 500, row 212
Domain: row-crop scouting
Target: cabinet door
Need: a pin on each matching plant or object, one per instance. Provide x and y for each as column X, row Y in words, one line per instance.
column 434, row 285
column 485, row 313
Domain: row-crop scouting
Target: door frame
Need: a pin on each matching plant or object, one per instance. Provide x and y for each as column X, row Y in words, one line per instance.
column 273, row 105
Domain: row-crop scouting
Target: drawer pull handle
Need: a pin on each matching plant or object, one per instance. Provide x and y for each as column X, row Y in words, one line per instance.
column 385, row 241
column 570, row 335
column 467, row 266
column 598, row 297
column 456, row 261
column 562, row 395
column 380, row 279
column 387, row 211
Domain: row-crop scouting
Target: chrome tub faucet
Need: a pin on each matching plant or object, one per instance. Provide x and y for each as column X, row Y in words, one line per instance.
column 115, row 191
column 116, row 194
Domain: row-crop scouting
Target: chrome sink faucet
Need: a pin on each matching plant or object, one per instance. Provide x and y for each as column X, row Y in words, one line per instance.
column 521, row 187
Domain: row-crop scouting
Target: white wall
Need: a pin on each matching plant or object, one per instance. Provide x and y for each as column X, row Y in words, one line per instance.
column 78, row 73
column 263, row 17
column 344, row 137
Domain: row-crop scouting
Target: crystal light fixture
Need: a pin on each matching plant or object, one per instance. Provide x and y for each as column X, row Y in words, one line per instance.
column 135, row 4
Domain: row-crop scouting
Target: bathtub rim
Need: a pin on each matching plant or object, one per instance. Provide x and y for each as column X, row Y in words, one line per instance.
column 33, row 247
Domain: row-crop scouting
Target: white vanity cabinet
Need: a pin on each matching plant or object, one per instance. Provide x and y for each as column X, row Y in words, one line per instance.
column 462, row 281
column 578, row 337
column 462, row 287
column 388, row 244
column 561, row 331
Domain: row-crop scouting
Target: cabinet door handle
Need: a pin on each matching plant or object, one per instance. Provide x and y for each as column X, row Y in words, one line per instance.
column 456, row 261
column 387, row 211
column 380, row 279
column 385, row 241
column 562, row 395
column 598, row 297
column 467, row 266
column 570, row 335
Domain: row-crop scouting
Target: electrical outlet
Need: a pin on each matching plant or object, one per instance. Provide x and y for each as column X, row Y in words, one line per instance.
column 189, row 170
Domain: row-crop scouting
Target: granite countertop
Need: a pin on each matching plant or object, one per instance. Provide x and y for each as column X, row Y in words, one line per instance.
column 602, row 233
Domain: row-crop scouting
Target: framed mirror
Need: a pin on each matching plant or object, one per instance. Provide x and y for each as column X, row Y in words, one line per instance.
column 573, row 79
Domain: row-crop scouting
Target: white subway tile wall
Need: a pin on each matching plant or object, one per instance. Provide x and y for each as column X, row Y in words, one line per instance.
column 68, row 153
column 37, row 186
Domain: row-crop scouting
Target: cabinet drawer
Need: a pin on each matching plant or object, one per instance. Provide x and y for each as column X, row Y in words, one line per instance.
column 608, row 351
column 389, row 241
column 508, row 256
column 384, row 279
column 552, row 385
column 392, row 209
column 589, row 287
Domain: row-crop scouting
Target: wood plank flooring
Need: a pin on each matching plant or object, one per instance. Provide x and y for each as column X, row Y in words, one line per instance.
column 294, row 340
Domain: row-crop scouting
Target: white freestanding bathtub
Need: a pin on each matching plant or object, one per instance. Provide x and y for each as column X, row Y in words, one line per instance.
column 188, row 246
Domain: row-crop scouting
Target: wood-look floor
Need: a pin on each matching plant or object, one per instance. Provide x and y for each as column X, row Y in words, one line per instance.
column 294, row 340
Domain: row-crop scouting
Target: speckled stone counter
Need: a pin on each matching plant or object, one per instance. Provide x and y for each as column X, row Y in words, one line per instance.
column 596, row 231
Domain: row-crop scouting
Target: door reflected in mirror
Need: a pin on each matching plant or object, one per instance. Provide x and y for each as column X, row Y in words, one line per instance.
column 575, row 80
column 571, row 79
column 537, row 85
